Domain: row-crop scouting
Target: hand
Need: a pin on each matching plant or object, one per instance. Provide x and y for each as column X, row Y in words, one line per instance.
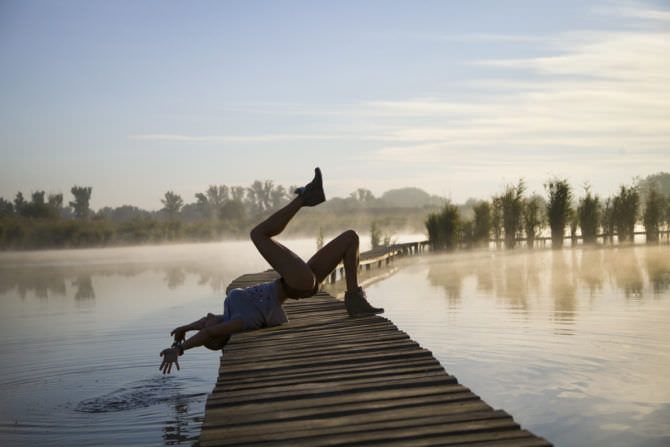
column 179, row 333
column 170, row 356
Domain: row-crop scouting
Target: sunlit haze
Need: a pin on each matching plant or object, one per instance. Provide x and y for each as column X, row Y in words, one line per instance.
column 457, row 98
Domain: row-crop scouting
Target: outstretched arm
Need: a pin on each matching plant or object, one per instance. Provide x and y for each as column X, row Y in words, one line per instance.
column 179, row 332
column 207, row 333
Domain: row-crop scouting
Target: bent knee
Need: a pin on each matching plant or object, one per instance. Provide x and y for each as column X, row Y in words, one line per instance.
column 352, row 236
column 255, row 234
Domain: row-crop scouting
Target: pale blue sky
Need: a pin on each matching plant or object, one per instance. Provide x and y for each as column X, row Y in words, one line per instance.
column 459, row 98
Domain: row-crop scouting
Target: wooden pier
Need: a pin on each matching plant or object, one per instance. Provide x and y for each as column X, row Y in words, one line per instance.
column 381, row 256
column 325, row 379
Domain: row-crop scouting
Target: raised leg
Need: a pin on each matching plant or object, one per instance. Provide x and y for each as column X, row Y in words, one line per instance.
column 343, row 248
column 296, row 273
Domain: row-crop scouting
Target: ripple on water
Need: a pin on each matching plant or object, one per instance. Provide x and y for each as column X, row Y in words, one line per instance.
column 140, row 394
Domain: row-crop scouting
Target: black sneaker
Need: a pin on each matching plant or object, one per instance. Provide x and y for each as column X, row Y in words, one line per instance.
column 357, row 304
column 312, row 193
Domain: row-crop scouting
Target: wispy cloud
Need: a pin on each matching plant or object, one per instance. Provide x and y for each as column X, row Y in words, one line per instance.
column 263, row 138
column 595, row 98
column 601, row 91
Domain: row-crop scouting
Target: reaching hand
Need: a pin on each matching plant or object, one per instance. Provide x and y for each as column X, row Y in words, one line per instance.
column 170, row 356
column 179, row 333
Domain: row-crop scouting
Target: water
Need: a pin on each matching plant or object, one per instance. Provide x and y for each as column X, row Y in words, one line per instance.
column 81, row 333
column 574, row 344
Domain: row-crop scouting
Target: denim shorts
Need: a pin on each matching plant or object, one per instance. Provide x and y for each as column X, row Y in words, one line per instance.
column 257, row 306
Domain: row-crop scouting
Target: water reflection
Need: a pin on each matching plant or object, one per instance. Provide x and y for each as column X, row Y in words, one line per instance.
column 591, row 270
column 516, row 277
column 45, row 282
column 509, row 312
column 182, row 427
column 563, row 287
column 624, row 269
column 84, row 287
column 657, row 265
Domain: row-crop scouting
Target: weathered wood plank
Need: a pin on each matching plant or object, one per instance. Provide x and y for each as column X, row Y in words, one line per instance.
column 325, row 379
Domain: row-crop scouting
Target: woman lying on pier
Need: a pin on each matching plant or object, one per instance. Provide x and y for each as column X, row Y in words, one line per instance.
column 261, row 305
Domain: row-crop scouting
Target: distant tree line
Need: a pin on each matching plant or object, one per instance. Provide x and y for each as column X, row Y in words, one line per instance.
column 48, row 220
column 511, row 217
column 43, row 221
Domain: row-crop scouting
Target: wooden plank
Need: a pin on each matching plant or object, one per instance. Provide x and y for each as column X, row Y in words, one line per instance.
column 325, row 379
column 289, row 410
column 397, row 418
column 380, row 431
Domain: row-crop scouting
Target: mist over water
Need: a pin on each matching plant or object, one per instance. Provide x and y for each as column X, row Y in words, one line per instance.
column 573, row 343
column 82, row 331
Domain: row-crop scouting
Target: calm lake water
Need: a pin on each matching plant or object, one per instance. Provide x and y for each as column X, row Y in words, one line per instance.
column 574, row 344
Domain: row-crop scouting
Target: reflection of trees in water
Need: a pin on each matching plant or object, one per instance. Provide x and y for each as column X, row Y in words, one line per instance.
column 484, row 278
column 449, row 275
column 624, row 269
column 591, row 271
column 43, row 283
column 563, row 287
column 657, row 265
column 84, row 285
column 174, row 277
column 516, row 277
column 513, row 278
column 46, row 281
column 512, row 284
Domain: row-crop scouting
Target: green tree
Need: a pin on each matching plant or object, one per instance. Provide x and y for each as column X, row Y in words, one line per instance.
column 6, row 208
column 19, row 203
column 375, row 235
column 625, row 209
column 55, row 202
column 589, row 216
column 233, row 210
column 38, row 208
column 512, row 209
column 482, row 223
column 82, row 198
column 532, row 218
column 558, row 209
column 212, row 200
column 278, row 197
column 443, row 227
column 653, row 214
column 256, row 197
column 172, row 203
column 496, row 219
column 237, row 193
column 363, row 195
column 608, row 221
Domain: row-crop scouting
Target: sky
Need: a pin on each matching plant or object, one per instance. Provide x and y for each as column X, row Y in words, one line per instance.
column 135, row 98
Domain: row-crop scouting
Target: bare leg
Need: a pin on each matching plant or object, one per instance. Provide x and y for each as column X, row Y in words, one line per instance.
column 343, row 248
column 296, row 273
